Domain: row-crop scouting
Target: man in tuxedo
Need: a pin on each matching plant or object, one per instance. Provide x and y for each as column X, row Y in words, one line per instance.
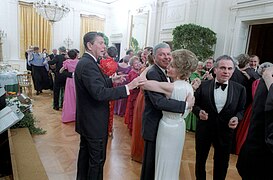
column 208, row 67
column 255, row 160
column 155, row 103
column 93, row 92
column 219, row 104
column 54, row 53
column 60, row 78
column 254, row 62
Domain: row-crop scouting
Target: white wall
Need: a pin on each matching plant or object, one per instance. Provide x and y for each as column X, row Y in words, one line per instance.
column 230, row 20
column 120, row 21
column 9, row 23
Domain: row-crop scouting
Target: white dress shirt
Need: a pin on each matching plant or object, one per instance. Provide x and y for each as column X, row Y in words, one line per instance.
column 220, row 97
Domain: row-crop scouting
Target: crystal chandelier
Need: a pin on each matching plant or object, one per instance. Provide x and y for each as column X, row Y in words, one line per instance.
column 52, row 10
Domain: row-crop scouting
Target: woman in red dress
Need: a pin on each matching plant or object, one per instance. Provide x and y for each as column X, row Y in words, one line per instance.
column 109, row 67
column 134, row 73
column 137, row 147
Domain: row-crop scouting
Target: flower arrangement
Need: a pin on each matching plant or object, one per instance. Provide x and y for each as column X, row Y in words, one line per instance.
column 28, row 120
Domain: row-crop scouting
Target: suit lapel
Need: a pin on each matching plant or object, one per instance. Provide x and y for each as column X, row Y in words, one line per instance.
column 162, row 75
column 211, row 95
column 96, row 65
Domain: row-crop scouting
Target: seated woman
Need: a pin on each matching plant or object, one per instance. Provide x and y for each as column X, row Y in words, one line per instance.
column 171, row 131
column 69, row 103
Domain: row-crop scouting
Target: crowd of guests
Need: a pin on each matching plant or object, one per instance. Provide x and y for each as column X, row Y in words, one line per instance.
column 161, row 95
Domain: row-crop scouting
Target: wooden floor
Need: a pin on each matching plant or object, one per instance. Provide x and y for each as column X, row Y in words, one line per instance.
column 58, row 148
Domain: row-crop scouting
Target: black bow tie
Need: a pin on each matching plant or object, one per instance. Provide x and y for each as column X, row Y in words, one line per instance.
column 223, row 86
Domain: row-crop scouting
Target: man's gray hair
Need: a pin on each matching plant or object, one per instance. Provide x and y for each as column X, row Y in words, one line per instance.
column 263, row 66
column 160, row 45
column 126, row 58
column 62, row 49
column 224, row 57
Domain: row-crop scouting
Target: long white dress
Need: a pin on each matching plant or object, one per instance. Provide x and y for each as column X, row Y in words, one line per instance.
column 171, row 136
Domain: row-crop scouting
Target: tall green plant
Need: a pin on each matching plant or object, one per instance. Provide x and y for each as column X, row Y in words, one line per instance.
column 106, row 40
column 198, row 39
column 134, row 44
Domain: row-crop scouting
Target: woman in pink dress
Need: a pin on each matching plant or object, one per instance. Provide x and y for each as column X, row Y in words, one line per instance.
column 69, row 103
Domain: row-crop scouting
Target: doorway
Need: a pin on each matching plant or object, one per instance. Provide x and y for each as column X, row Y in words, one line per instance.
column 117, row 45
column 260, row 42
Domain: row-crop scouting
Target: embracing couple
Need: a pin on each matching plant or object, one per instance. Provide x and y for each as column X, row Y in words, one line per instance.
column 166, row 105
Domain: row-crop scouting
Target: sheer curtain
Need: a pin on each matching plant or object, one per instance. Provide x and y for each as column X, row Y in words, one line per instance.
column 90, row 23
column 34, row 29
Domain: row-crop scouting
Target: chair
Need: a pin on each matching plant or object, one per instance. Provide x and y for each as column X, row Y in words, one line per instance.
column 25, row 84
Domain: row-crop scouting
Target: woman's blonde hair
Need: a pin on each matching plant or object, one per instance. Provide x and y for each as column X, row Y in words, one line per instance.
column 185, row 62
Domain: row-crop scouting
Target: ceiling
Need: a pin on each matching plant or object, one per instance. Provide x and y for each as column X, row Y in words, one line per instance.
column 106, row 1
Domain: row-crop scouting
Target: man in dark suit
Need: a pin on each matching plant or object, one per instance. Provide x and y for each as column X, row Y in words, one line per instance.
column 255, row 160
column 219, row 104
column 154, row 104
column 60, row 78
column 93, row 92
column 54, row 53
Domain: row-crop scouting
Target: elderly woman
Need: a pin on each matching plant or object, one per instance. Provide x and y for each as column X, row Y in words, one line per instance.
column 171, row 130
column 123, row 69
column 134, row 73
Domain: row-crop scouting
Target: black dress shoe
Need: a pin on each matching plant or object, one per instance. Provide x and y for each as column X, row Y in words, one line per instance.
column 56, row 108
column 37, row 93
column 41, row 91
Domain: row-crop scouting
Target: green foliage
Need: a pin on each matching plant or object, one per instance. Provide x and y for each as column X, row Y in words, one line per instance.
column 29, row 122
column 134, row 44
column 198, row 39
column 106, row 40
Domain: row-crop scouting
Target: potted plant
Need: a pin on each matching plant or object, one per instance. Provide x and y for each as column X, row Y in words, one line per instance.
column 198, row 39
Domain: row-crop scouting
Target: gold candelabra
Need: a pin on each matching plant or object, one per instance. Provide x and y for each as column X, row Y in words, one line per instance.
column 2, row 36
column 68, row 42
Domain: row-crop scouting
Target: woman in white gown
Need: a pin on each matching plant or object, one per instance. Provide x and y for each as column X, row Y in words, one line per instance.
column 171, row 130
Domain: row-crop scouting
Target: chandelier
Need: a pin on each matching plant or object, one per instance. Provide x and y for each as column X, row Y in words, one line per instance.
column 52, row 10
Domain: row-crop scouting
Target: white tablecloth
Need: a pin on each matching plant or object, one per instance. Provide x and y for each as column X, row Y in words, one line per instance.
column 8, row 78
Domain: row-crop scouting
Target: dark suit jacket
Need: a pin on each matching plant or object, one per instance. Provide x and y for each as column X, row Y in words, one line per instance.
column 155, row 103
column 51, row 56
column 240, row 78
column 58, row 61
column 269, row 119
column 259, row 129
column 255, row 160
column 217, row 123
column 93, row 92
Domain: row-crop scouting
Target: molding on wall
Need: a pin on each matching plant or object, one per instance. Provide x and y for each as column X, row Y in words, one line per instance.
column 248, row 4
